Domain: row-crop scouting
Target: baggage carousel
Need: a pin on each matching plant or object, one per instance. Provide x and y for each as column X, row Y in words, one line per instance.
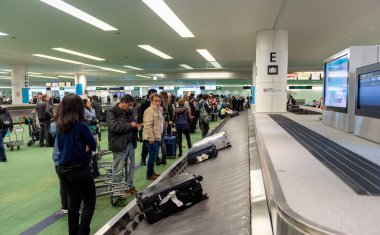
column 226, row 180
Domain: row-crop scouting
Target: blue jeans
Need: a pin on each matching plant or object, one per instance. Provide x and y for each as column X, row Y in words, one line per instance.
column 3, row 132
column 153, row 154
column 121, row 159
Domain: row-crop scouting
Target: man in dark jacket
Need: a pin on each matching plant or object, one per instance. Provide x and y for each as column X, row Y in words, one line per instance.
column 144, row 105
column 122, row 141
column 44, row 111
column 5, row 125
column 97, row 107
column 203, row 124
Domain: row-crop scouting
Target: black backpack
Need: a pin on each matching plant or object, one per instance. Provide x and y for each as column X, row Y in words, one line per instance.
column 182, row 122
column 5, row 119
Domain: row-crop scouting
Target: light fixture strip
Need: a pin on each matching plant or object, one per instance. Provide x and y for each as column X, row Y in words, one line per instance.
column 41, row 76
column 143, row 76
column 78, row 54
column 67, row 8
column 3, row 34
column 167, row 15
column 56, row 58
column 132, row 67
column 66, row 77
column 33, row 73
column 186, row 66
column 105, row 68
column 5, row 77
column 155, row 51
column 216, row 64
column 4, row 72
column 206, row 54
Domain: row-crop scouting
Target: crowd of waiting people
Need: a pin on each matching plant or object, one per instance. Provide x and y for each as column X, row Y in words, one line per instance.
column 68, row 129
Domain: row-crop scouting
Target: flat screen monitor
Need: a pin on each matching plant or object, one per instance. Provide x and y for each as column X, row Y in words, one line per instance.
column 48, row 84
column 61, row 84
column 54, row 84
column 68, row 84
column 368, row 91
column 336, row 84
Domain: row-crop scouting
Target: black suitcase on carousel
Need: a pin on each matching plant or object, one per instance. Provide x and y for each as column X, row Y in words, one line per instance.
column 208, row 148
column 170, row 196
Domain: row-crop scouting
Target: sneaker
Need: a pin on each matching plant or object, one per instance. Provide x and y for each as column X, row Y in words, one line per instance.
column 64, row 211
column 133, row 190
column 152, row 177
column 156, row 174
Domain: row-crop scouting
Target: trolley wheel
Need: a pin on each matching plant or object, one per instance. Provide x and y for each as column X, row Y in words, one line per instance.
column 11, row 148
column 29, row 143
column 18, row 147
column 114, row 200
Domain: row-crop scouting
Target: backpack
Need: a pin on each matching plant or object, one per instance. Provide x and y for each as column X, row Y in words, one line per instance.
column 203, row 115
column 5, row 119
column 182, row 122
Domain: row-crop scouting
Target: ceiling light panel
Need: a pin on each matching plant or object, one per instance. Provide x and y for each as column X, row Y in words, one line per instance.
column 78, row 54
column 106, row 68
column 66, row 77
column 209, row 75
column 33, row 73
column 56, row 58
column 132, row 67
column 216, row 64
column 1, row 72
column 41, row 76
column 67, row 8
column 167, row 15
column 186, row 66
column 156, row 52
column 3, row 34
column 142, row 76
column 206, row 54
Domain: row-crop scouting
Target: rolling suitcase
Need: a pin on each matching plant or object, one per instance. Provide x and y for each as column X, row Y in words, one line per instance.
column 171, row 146
column 170, row 196
column 195, row 152
column 220, row 140
column 232, row 114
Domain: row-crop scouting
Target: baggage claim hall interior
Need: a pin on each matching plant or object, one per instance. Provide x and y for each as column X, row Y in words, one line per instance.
column 190, row 117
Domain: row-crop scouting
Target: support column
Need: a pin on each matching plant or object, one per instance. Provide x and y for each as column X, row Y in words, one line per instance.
column 272, row 68
column 80, row 84
column 20, row 92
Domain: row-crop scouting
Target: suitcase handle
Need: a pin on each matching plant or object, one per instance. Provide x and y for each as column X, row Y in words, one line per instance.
column 173, row 197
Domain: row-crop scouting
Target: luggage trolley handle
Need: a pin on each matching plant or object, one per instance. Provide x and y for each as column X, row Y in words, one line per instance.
column 172, row 195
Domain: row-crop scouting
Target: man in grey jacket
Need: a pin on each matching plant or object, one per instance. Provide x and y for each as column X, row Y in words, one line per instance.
column 122, row 141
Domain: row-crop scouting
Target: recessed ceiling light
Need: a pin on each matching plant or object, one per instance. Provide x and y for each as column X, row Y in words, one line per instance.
column 206, row 54
column 106, row 68
column 132, row 67
column 143, row 76
column 155, row 51
column 155, row 78
column 165, row 13
column 216, row 64
column 3, row 34
column 209, row 57
column 208, row 75
column 79, row 54
column 186, row 66
column 34, row 73
column 65, row 7
column 40, row 76
column 56, row 58
column 66, row 77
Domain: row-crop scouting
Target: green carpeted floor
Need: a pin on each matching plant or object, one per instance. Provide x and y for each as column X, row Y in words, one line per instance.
column 30, row 192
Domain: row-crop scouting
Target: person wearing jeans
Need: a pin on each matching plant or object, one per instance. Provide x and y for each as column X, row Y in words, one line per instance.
column 122, row 141
column 153, row 128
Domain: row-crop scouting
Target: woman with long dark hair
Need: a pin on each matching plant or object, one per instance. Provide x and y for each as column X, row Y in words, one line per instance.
column 75, row 144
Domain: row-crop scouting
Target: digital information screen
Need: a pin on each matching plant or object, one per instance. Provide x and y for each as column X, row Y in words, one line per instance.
column 336, row 79
column 369, row 91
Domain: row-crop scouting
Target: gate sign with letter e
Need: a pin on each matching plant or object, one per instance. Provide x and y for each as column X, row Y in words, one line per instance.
column 272, row 69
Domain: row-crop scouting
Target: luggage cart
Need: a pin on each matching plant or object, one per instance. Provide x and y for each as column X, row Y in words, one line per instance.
column 34, row 131
column 17, row 140
column 118, row 191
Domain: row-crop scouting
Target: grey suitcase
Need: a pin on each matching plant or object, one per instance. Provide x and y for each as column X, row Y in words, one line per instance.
column 220, row 140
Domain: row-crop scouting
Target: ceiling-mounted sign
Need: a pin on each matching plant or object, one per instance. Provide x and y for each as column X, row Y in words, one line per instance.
column 210, row 87
column 62, row 88
column 176, row 88
column 136, row 88
column 218, row 87
column 101, row 88
column 300, row 87
column 26, row 81
column 168, row 88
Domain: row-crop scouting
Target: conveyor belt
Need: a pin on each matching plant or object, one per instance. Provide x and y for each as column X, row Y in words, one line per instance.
column 362, row 175
column 226, row 181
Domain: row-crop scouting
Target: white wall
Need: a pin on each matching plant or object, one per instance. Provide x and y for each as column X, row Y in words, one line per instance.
column 308, row 94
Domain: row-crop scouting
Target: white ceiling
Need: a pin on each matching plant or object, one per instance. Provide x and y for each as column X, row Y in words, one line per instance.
column 227, row 28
